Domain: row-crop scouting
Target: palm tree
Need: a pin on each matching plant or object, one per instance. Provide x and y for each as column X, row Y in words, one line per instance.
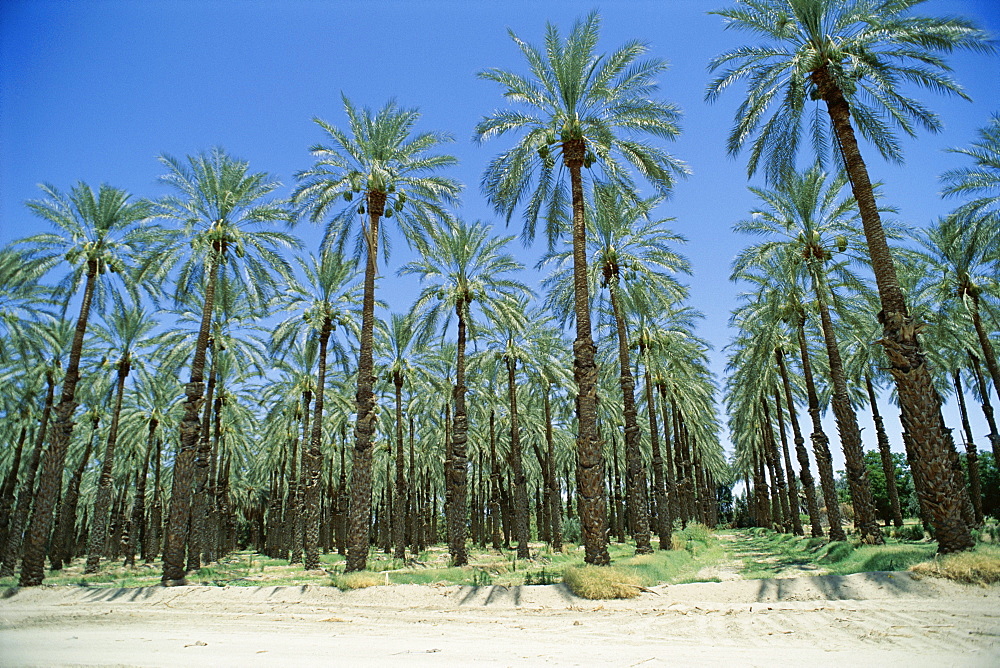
column 393, row 173
column 222, row 207
column 126, row 328
column 398, row 359
column 853, row 56
column 22, row 296
column 982, row 180
column 98, row 235
column 578, row 105
column 327, row 301
column 806, row 221
column 463, row 266
column 963, row 252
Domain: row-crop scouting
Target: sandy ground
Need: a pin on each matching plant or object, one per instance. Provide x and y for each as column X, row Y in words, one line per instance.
column 814, row 621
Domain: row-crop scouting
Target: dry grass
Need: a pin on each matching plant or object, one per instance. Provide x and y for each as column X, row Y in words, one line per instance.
column 980, row 567
column 601, row 582
column 357, row 580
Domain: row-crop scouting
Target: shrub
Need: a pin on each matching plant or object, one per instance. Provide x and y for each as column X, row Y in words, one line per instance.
column 908, row 532
column 357, row 580
column 968, row 567
column 601, row 582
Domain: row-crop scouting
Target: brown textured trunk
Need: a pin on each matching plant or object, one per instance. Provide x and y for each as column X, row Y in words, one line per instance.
column 987, row 406
column 197, row 524
column 635, row 468
column 458, row 471
column 821, row 444
column 521, row 518
column 669, row 477
column 554, row 503
column 312, row 461
column 793, row 488
column 888, row 468
column 360, row 511
column 37, row 537
column 102, row 505
column 773, row 459
column 919, row 400
column 61, row 552
column 180, row 495
column 808, row 484
column 971, row 455
column 590, row 462
column 989, row 356
column 26, row 490
column 138, row 534
column 664, row 529
column 151, row 548
column 847, row 426
column 10, row 484
column 496, row 521
column 399, row 512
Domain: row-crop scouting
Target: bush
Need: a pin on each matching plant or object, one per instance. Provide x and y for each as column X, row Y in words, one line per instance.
column 838, row 552
column 601, row 582
column 978, row 567
column 357, row 580
column 908, row 532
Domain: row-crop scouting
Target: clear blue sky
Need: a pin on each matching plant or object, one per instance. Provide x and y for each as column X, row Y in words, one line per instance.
column 95, row 90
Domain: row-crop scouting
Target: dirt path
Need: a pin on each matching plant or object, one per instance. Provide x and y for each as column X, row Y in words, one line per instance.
column 747, row 552
column 822, row 620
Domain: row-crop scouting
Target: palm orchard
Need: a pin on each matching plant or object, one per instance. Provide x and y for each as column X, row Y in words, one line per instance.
column 582, row 409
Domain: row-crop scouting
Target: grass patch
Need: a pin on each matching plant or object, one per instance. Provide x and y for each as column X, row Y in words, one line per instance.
column 889, row 557
column 981, row 566
column 357, row 580
column 602, row 582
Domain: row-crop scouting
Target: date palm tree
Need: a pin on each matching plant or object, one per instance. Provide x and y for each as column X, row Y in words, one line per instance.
column 393, row 173
column 466, row 271
column 854, row 56
column 224, row 211
column 982, row 181
column 328, row 300
column 806, row 220
column 98, row 234
column 634, row 262
column 578, row 110
column 123, row 336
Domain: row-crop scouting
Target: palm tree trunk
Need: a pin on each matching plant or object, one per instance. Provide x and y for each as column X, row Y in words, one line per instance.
column 773, row 459
column 61, row 551
column 919, row 400
column 669, row 477
column 521, row 521
column 197, row 524
column 555, row 510
column 635, row 476
column 986, row 406
column 139, row 504
column 361, row 472
column 496, row 521
column 312, row 461
column 847, row 427
column 590, row 463
column 888, row 469
column 821, row 444
column 180, row 494
column 102, row 505
column 151, row 548
column 36, row 540
column 808, row 484
column 792, row 489
column 971, row 455
column 458, row 471
column 989, row 356
column 664, row 521
column 399, row 512
column 10, row 484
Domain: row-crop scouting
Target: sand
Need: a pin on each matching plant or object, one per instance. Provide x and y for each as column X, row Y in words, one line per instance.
column 811, row 621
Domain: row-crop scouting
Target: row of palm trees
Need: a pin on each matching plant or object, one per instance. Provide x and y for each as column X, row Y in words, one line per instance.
column 583, row 119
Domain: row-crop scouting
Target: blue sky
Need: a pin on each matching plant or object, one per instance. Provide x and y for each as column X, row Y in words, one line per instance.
column 95, row 90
